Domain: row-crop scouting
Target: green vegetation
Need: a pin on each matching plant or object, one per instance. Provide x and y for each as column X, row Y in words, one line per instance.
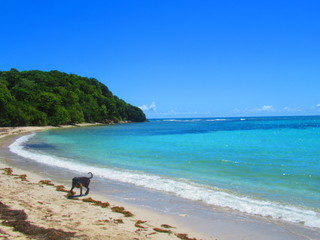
column 30, row 98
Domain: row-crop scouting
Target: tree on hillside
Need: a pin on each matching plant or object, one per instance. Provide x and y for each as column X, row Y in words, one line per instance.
column 54, row 98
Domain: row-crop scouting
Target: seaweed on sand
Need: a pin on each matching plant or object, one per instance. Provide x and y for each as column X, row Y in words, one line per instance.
column 122, row 210
column 95, row 202
column 17, row 220
column 8, row 214
column 161, row 230
column 23, row 177
column 117, row 221
column 138, row 224
column 7, row 171
column 166, row 226
column 61, row 188
column 46, row 182
column 184, row 236
column 71, row 196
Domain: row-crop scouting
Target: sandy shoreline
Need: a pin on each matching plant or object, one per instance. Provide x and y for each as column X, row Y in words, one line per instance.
column 7, row 131
column 75, row 219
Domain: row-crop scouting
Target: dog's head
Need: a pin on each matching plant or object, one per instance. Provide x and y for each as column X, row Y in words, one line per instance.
column 76, row 182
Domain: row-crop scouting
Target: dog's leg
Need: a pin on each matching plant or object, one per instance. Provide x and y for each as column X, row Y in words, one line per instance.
column 71, row 190
column 87, row 192
column 81, row 191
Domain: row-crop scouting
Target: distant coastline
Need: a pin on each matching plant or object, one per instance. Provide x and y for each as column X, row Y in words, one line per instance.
column 7, row 131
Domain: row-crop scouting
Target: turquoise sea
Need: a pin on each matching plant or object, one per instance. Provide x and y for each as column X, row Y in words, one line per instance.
column 267, row 166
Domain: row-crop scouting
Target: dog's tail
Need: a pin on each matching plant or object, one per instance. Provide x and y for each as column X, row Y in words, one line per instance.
column 91, row 175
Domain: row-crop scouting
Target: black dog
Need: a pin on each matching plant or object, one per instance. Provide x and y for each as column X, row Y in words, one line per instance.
column 80, row 182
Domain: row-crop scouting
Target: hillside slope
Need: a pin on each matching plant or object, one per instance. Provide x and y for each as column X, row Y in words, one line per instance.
column 30, row 98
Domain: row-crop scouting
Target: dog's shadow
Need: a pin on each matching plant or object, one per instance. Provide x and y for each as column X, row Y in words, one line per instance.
column 76, row 196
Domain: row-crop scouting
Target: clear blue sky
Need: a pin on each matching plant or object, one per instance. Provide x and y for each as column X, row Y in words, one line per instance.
column 176, row 58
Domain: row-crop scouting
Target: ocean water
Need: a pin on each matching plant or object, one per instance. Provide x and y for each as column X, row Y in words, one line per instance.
column 261, row 166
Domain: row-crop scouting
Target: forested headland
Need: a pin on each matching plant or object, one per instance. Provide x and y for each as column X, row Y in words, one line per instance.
column 38, row 98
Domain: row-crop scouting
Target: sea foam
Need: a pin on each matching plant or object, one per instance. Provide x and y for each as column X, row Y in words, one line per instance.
column 184, row 189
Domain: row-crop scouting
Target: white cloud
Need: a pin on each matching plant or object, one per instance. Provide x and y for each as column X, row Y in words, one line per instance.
column 290, row 109
column 271, row 110
column 264, row 108
column 267, row 108
column 151, row 107
column 173, row 113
